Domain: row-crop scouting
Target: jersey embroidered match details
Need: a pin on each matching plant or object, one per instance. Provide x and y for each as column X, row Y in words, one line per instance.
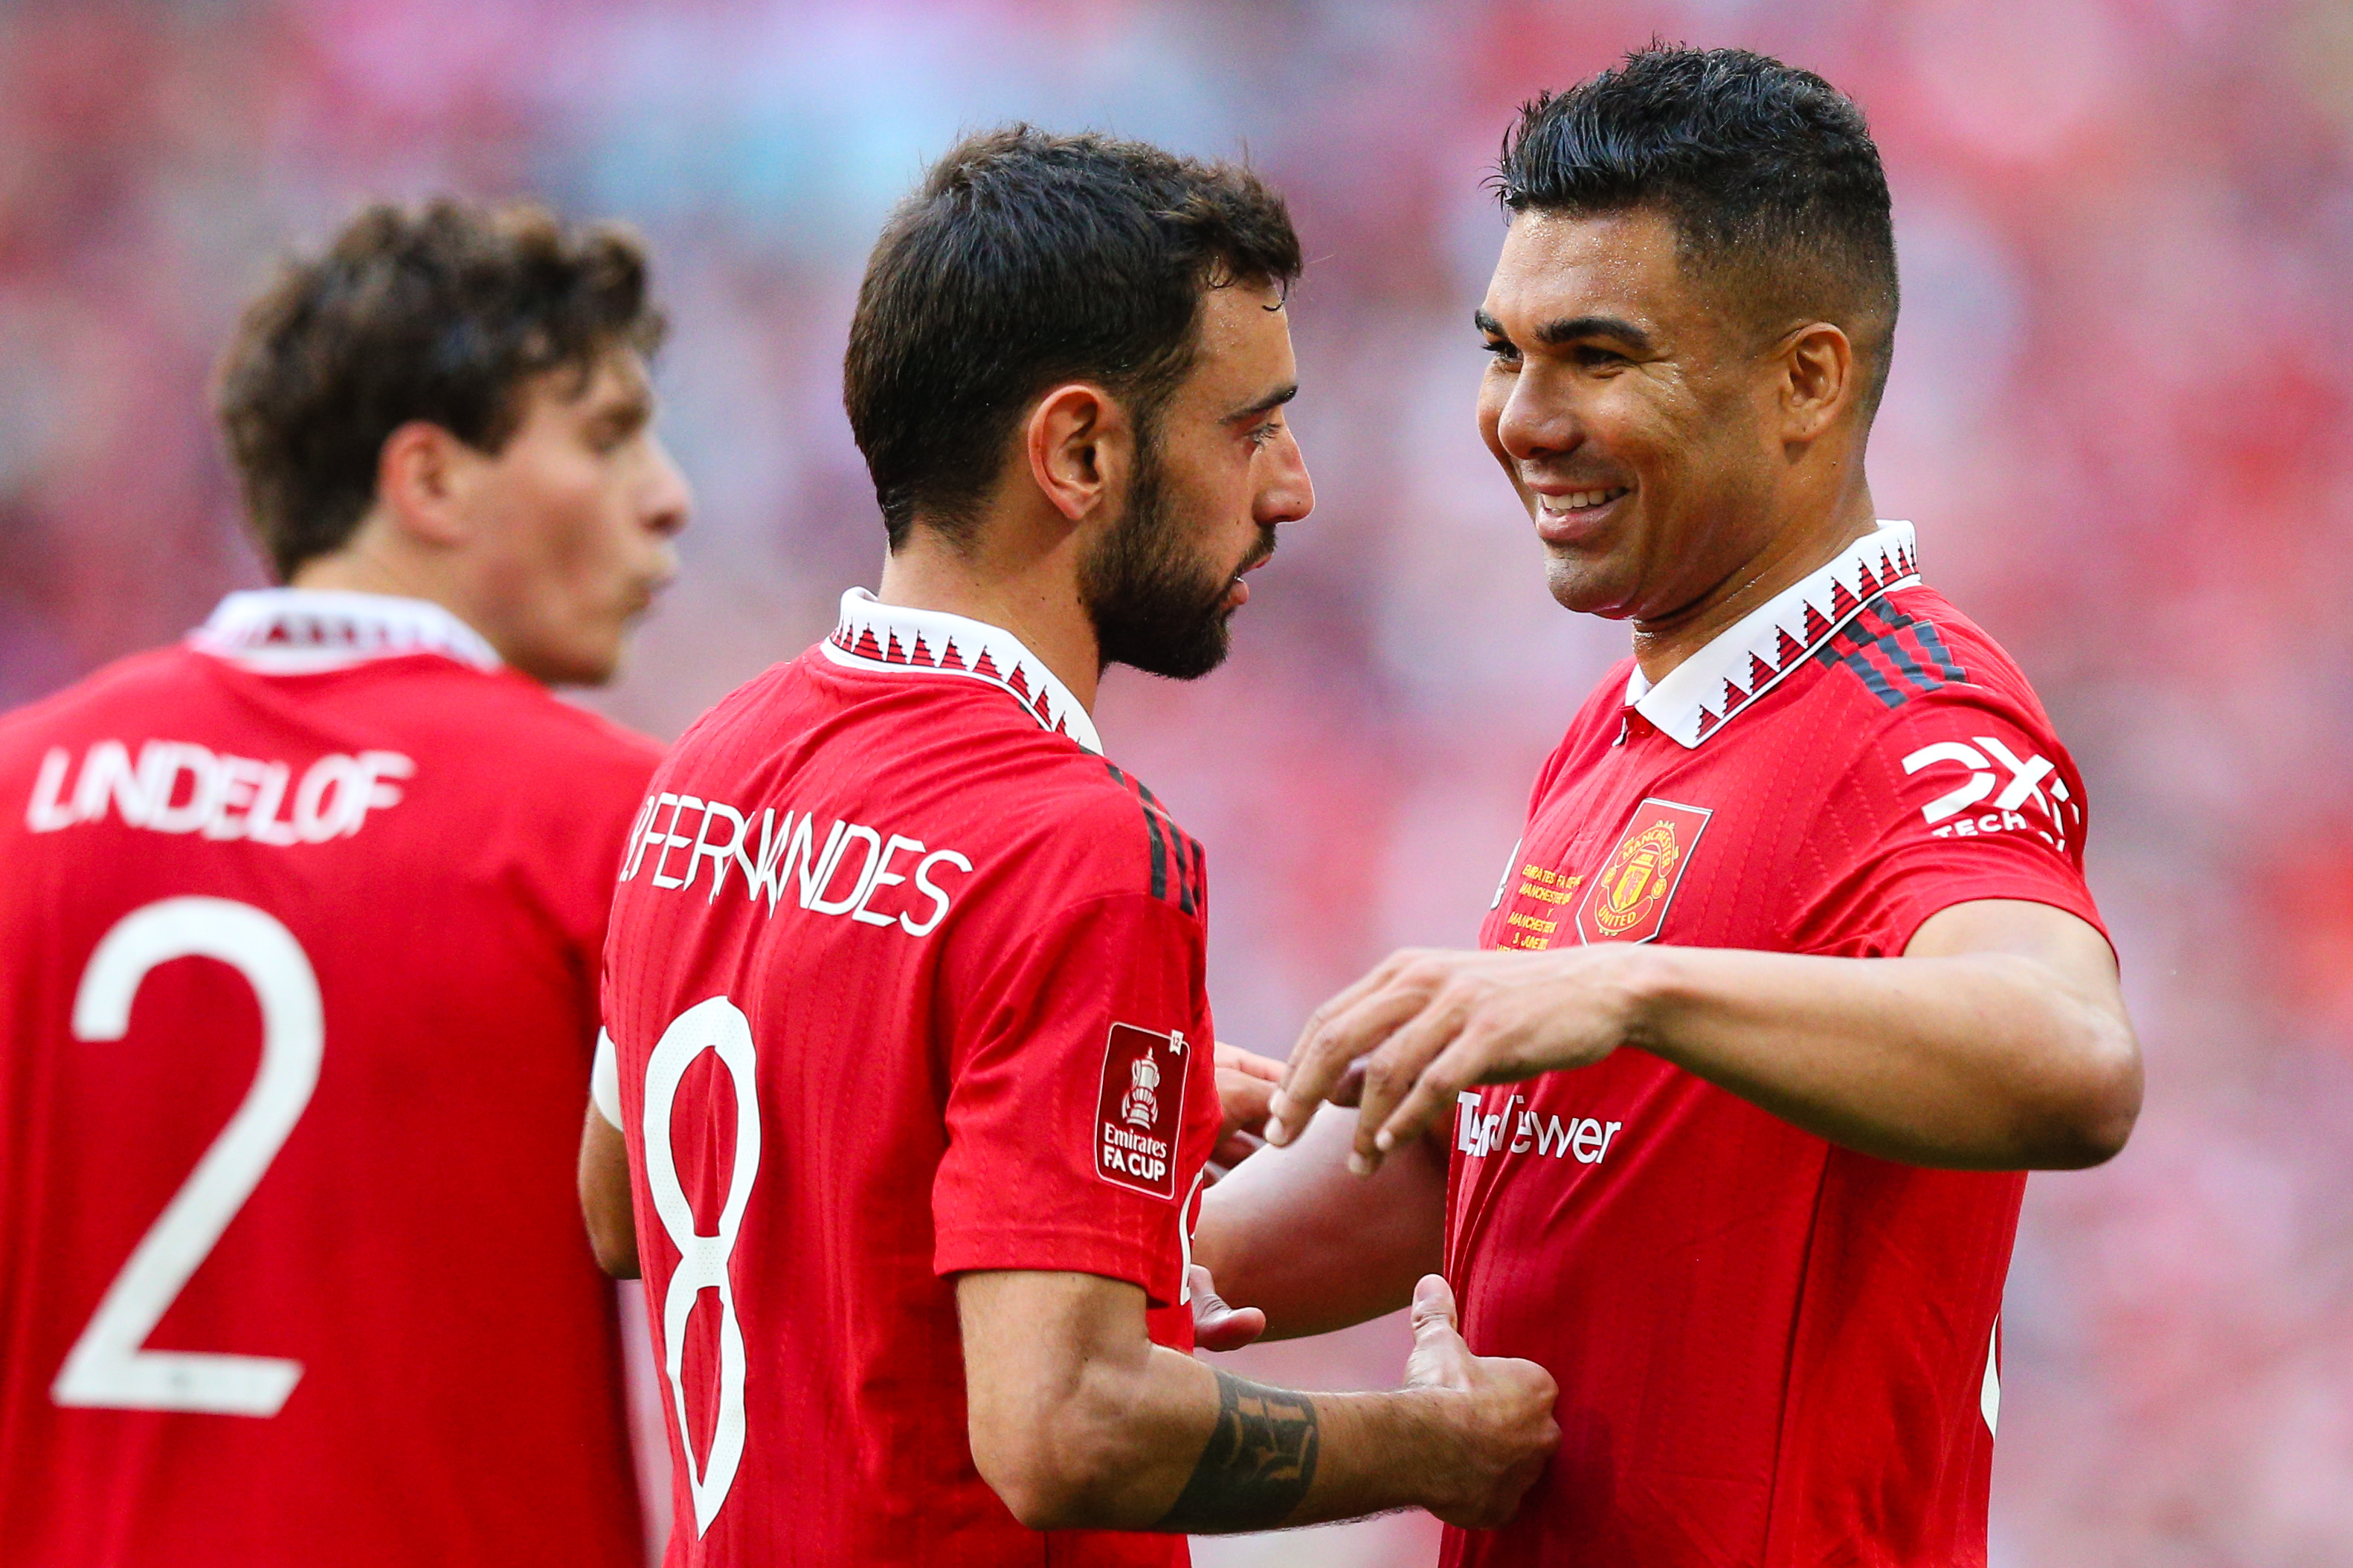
column 904, row 981
column 298, row 949
column 1771, row 1350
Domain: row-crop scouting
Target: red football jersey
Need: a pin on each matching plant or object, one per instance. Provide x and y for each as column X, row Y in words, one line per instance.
column 1771, row 1350
column 298, row 937
column 904, row 980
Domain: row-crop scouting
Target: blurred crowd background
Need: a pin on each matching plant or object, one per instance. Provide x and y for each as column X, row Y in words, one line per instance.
column 2118, row 415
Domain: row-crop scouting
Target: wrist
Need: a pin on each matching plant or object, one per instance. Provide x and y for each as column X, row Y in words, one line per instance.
column 1651, row 985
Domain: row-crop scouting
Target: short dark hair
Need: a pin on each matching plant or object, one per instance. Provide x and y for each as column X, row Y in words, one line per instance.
column 1028, row 259
column 440, row 312
column 1769, row 174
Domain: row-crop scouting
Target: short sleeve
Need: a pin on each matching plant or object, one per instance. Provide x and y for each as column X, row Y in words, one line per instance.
column 604, row 1080
column 1963, row 794
column 1083, row 1100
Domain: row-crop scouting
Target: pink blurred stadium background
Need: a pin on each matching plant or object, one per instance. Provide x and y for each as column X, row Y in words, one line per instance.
column 2118, row 415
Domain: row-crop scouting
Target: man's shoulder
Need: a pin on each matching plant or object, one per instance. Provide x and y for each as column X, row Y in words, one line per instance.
column 136, row 683
column 1908, row 659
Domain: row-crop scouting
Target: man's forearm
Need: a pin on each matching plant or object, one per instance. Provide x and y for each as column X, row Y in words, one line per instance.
column 1273, row 1456
column 1998, row 1041
column 1292, row 1233
column 1078, row 1421
column 1984, row 1061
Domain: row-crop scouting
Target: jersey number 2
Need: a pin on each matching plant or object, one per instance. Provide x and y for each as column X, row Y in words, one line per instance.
column 107, row 1367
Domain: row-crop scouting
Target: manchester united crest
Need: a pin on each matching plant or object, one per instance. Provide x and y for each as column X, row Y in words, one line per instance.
column 1628, row 897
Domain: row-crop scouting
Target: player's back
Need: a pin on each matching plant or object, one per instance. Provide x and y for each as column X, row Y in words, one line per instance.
column 296, row 960
column 831, row 947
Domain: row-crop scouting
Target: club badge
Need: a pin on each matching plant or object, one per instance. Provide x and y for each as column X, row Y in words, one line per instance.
column 1140, row 1110
column 1628, row 900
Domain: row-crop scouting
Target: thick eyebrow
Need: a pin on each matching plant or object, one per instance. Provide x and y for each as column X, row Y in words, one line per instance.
column 1267, row 405
column 633, row 410
column 1554, row 333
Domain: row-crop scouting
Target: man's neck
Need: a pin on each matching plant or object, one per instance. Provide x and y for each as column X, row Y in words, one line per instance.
column 1793, row 554
column 1032, row 594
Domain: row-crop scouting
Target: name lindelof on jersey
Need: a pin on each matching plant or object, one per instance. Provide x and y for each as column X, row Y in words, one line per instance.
column 2020, row 780
column 178, row 786
column 789, row 859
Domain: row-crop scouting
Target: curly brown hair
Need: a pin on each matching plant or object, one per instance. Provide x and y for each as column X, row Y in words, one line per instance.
column 441, row 313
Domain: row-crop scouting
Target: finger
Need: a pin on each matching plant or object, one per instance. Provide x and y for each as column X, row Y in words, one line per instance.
column 1243, row 1100
column 1216, row 1325
column 1433, row 1308
column 1326, row 1053
column 1236, row 1147
column 1234, row 1058
column 1392, row 1073
column 1462, row 1063
column 1231, row 1329
column 1338, row 1007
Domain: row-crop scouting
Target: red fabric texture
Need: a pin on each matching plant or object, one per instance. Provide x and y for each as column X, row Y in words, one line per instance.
column 929, row 1059
column 414, row 1243
column 1771, row 1350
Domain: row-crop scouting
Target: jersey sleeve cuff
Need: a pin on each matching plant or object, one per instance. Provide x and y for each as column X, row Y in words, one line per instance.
column 605, row 1081
column 1051, row 1251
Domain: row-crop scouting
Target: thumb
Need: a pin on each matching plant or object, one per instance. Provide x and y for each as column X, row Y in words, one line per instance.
column 1216, row 1325
column 1440, row 1358
column 1433, row 1308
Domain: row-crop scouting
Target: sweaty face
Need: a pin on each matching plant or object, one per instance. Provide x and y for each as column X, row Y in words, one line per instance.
column 1215, row 474
column 577, row 512
column 1629, row 411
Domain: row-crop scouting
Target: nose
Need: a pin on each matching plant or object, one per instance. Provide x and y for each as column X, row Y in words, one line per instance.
column 1535, row 419
column 669, row 499
column 1287, row 495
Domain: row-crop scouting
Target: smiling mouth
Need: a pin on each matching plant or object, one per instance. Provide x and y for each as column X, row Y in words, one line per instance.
column 1580, row 501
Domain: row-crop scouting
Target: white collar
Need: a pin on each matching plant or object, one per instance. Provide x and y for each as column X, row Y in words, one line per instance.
column 299, row 631
column 1750, row 657
column 894, row 638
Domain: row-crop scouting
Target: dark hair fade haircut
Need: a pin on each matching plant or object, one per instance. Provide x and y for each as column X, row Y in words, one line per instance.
column 441, row 313
column 1026, row 259
column 1769, row 174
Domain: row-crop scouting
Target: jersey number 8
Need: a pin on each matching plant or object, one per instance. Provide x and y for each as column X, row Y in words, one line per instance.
column 107, row 1367
column 716, row 1024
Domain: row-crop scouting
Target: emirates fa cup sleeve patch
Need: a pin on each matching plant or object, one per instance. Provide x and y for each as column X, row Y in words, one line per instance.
column 1141, row 1108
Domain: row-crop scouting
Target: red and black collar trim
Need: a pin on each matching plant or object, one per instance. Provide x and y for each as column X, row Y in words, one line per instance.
column 1752, row 656
column 874, row 636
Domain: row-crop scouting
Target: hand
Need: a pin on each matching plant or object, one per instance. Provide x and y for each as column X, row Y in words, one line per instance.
column 1504, row 1416
column 1216, row 1326
column 1427, row 1024
column 1246, row 1080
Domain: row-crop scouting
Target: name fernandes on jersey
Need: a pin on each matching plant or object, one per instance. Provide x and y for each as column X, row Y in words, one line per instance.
column 788, row 855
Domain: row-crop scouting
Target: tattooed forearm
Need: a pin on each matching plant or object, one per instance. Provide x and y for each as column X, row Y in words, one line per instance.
column 1258, row 1465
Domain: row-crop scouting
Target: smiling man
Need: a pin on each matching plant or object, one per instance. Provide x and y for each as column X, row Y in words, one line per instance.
column 906, row 983
column 1794, row 970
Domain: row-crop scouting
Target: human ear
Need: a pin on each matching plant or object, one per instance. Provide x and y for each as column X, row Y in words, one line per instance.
column 1819, row 380
column 420, row 482
column 1081, row 449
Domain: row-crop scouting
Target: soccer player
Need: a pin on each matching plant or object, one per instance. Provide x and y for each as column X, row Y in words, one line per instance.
column 298, row 943
column 1794, row 972
column 905, row 980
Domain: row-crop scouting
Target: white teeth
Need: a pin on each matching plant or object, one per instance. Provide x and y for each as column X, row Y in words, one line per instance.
column 1577, row 500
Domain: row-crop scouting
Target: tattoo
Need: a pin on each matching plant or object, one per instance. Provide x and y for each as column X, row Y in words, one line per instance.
column 1256, row 1466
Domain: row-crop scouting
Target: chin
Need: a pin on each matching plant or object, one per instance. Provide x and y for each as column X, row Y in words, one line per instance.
column 1575, row 585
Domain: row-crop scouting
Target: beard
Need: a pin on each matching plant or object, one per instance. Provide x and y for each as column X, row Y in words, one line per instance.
column 1155, row 608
